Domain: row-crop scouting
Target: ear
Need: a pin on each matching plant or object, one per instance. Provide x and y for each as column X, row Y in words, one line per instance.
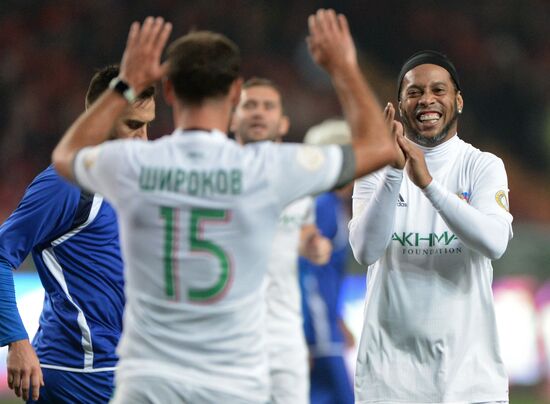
column 459, row 101
column 168, row 91
column 399, row 107
column 235, row 92
column 233, row 122
column 284, row 126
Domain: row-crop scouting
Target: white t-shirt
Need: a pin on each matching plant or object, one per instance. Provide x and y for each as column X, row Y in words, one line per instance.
column 429, row 333
column 197, row 214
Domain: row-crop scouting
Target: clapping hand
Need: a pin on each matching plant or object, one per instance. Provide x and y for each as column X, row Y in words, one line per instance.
column 396, row 129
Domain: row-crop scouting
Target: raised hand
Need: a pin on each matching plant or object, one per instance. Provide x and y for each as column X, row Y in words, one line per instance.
column 140, row 66
column 416, row 163
column 396, row 129
column 24, row 370
column 330, row 42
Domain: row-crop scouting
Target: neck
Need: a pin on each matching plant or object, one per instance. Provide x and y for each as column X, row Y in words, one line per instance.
column 210, row 114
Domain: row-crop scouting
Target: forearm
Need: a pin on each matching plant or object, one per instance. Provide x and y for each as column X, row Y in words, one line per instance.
column 371, row 229
column 91, row 128
column 11, row 326
column 373, row 146
column 486, row 234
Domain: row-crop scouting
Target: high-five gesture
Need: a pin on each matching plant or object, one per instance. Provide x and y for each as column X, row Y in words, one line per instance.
column 330, row 41
column 331, row 47
column 140, row 66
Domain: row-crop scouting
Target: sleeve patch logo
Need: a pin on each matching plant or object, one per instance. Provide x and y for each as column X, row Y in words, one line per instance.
column 465, row 196
column 310, row 157
column 502, row 200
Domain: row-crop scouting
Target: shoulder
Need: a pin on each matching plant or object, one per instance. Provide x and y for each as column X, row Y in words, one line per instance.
column 49, row 182
column 478, row 159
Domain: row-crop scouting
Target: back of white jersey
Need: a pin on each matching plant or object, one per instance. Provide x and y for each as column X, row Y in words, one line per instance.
column 197, row 215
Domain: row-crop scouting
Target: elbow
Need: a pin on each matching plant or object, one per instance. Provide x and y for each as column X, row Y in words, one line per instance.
column 498, row 244
column 361, row 252
column 497, row 251
column 361, row 247
column 357, row 254
column 363, row 256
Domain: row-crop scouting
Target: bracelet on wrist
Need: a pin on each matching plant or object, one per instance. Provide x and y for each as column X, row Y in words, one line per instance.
column 120, row 86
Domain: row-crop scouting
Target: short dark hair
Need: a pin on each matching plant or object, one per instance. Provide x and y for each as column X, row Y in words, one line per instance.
column 100, row 81
column 263, row 82
column 203, row 64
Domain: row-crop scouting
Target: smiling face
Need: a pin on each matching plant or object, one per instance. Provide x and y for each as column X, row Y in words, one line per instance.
column 259, row 115
column 429, row 105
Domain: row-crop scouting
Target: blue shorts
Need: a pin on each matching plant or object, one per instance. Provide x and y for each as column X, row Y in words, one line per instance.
column 61, row 386
column 330, row 382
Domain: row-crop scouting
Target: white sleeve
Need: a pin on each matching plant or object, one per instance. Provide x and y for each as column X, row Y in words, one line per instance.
column 98, row 168
column 484, row 225
column 374, row 204
column 300, row 170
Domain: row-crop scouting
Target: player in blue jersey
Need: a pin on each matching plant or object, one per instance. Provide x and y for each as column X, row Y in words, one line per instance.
column 73, row 238
column 326, row 334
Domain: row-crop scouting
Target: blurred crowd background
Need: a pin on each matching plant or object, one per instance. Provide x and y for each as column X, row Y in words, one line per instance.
column 49, row 49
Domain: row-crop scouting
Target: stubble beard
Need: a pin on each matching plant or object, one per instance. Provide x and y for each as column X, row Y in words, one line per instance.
column 246, row 138
column 426, row 141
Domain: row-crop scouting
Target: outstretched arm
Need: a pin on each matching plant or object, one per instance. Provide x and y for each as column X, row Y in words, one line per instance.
column 140, row 67
column 332, row 48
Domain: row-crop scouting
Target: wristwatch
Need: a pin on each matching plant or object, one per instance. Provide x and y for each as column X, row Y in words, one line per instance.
column 121, row 87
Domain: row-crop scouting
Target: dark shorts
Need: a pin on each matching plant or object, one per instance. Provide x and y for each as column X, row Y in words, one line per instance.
column 330, row 382
column 62, row 387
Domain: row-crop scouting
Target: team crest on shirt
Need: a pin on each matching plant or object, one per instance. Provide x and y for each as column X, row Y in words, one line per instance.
column 502, row 200
column 465, row 196
column 311, row 158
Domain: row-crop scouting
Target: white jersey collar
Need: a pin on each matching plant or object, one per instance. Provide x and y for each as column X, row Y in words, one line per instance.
column 442, row 149
column 215, row 133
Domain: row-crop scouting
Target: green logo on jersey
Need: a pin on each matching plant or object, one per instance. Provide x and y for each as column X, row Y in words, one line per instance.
column 416, row 239
column 191, row 182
